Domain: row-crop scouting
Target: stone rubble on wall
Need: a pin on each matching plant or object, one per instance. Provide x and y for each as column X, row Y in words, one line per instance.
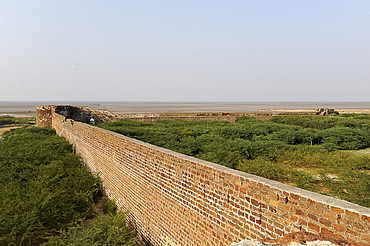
column 253, row 242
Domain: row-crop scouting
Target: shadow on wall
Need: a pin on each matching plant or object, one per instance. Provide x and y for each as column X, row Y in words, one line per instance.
column 77, row 113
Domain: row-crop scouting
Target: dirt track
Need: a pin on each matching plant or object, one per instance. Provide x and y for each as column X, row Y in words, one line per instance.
column 7, row 128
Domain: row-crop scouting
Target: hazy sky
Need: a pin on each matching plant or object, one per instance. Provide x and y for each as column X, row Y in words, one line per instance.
column 312, row 50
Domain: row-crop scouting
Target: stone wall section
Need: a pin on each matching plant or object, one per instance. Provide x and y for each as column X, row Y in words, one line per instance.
column 175, row 199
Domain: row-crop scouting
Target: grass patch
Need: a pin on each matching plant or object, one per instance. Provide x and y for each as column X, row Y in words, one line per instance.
column 10, row 120
column 106, row 229
column 340, row 174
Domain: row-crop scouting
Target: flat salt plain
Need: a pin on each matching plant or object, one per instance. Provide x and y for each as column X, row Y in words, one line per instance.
column 21, row 108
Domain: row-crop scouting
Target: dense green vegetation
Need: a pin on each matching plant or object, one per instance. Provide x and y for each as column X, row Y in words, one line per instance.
column 311, row 152
column 9, row 120
column 45, row 188
column 110, row 229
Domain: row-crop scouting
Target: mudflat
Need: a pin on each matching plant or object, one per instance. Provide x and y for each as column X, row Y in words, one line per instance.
column 29, row 108
column 124, row 108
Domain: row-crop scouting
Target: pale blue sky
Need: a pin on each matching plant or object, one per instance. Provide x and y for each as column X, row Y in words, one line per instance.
column 229, row 51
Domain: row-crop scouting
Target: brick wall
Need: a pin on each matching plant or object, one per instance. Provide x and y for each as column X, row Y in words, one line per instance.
column 175, row 199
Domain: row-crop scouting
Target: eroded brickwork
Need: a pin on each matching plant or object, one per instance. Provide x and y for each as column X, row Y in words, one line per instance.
column 179, row 200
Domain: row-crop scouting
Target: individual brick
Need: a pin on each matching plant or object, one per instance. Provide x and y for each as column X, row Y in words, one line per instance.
column 255, row 202
column 294, row 196
column 336, row 210
column 302, row 222
column 299, row 212
column 279, row 225
column 314, row 210
column 294, row 218
column 352, row 214
column 313, row 217
column 274, row 203
column 284, row 207
column 311, row 201
column 326, row 231
column 325, row 222
column 313, row 226
column 330, row 215
column 274, row 196
column 303, row 206
column 279, row 232
column 338, row 227
column 243, row 190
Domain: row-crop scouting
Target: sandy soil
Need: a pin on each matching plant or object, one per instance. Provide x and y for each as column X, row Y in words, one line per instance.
column 354, row 111
column 124, row 108
column 7, row 128
column 341, row 111
column 288, row 110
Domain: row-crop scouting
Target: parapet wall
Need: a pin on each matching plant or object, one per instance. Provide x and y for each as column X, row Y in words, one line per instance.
column 175, row 199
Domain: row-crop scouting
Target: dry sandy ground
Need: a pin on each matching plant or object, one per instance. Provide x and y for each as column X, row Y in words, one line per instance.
column 7, row 128
column 354, row 111
column 341, row 111
column 126, row 108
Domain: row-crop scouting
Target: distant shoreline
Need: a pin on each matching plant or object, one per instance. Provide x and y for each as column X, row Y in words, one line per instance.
column 29, row 108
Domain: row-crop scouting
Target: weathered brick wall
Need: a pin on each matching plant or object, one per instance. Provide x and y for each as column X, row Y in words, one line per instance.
column 180, row 200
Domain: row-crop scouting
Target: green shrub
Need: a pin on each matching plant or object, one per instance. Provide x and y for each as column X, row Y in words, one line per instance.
column 9, row 120
column 264, row 168
column 44, row 186
column 110, row 207
column 105, row 230
column 302, row 180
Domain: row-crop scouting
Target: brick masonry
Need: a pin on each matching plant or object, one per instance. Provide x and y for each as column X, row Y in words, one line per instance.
column 175, row 199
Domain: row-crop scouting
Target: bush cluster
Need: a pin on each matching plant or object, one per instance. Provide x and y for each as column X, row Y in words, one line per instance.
column 9, row 120
column 45, row 188
column 105, row 230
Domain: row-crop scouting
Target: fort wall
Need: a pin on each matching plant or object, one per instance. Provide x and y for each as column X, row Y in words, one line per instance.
column 175, row 199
